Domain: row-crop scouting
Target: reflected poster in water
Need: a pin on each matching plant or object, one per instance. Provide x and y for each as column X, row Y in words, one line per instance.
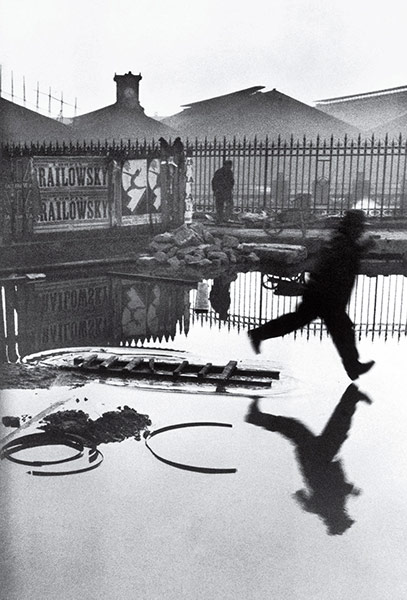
column 103, row 310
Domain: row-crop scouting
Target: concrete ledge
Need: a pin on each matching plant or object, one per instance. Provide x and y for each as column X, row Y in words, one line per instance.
column 287, row 253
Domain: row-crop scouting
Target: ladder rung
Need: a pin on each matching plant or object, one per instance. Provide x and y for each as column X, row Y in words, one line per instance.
column 180, row 368
column 86, row 363
column 133, row 364
column 108, row 362
column 205, row 369
column 229, row 370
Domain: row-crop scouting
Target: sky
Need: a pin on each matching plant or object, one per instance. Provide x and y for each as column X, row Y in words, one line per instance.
column 188, row 50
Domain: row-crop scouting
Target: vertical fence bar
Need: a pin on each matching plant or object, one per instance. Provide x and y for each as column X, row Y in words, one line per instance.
column 386, row 210
column 249, row 156
column 386, row 141
column 291, row 189
column 310, row 157
column 243, row 166
column 284, row 195
column 377, row 153
column 396, row 198
column 273, row 197
column 238, row 178
column 404, row 181
column 254, row 164
column 303, row 157
column 266, row 164
column 369, row 151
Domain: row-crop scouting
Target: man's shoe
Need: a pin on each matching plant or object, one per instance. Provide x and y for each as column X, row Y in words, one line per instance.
column 254, row 342
column 360, row 369
column 365, row 367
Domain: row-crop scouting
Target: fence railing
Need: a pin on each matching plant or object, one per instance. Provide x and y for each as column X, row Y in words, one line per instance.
column 333, row 175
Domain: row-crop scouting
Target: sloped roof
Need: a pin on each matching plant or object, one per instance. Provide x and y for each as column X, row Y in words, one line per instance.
column 369, row 109
column 292, row 116
column 19, row 124
column 118, row 122
column 218, row 101
column 251, row 112
column 392, row 128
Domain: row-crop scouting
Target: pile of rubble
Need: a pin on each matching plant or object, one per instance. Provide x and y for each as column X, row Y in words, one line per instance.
column 112, row 426
column 195, row 246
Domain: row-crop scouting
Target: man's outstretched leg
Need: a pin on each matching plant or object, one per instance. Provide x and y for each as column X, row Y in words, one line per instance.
column 304, row 314
column 342, row 332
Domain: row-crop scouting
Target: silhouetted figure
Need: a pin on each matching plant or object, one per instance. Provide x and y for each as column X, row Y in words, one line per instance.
column 178, row 152
column 165, row 149
column 327, row 293
column 220, row 295
column 222, row 187
column 327, row 488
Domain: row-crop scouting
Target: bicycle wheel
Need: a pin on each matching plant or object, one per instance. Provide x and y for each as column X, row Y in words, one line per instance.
column 273, row 225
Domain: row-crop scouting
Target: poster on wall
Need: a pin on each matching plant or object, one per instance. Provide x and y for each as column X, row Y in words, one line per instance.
column 141, row 192
column 74, row 193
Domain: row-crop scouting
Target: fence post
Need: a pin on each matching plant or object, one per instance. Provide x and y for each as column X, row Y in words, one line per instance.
column 266, row 164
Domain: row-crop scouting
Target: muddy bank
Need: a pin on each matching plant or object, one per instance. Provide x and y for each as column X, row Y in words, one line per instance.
column 28, row 377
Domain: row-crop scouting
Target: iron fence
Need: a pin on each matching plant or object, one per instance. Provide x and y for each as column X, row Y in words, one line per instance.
column 331, row 175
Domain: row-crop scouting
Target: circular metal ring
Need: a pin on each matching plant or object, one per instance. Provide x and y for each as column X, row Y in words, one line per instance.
column 35, row 440
column 183, row 466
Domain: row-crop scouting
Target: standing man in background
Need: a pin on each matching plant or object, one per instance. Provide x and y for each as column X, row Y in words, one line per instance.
column 222, row 187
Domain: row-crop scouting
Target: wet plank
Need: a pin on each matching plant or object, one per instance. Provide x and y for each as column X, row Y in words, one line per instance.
column 133, row 364
column 228, row 370
column 106, row 364
column 181, row 367
column 89, row 361
column 205, row 369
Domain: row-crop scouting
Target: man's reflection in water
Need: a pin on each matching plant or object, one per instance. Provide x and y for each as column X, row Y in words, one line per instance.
column 327, row 488
column 220, row 294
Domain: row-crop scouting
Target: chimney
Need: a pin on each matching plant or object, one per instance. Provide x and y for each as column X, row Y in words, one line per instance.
column 127, row 90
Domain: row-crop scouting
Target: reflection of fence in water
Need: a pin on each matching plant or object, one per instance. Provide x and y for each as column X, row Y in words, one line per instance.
column 377, row 306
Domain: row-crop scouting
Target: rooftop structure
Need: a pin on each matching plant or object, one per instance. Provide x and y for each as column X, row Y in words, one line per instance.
column 125, row 119
column 369, row 110
column 251, row 112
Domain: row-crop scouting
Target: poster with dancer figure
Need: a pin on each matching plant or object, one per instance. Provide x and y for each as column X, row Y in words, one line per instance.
column 141, row 192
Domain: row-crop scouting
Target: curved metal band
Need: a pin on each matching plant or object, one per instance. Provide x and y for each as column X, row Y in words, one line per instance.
column 35, row 440
column 196, row 469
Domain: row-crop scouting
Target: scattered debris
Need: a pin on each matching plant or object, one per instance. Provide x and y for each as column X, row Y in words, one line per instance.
column 112, row 426
column 11, row 421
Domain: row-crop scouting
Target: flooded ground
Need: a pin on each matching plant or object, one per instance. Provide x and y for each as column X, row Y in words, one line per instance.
column 290, row 522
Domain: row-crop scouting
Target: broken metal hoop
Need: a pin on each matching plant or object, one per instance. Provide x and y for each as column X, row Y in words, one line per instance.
column 183, row 466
